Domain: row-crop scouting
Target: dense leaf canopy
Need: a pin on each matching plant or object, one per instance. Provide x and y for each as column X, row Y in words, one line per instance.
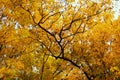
column 59, row 40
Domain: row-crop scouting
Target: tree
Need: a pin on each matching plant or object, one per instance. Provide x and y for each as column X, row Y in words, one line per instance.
column 50, row 39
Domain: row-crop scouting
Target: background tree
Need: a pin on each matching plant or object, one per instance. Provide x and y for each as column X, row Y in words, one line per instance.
column 50, row 39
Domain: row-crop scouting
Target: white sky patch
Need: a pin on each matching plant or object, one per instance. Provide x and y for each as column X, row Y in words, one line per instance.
column 16, row 25
column 116, row 8
column 97, row 1
column 63, row 3
column 75, row 4
column 30, row 27
column 62, row 10
column 108, row 43
column 35, row 69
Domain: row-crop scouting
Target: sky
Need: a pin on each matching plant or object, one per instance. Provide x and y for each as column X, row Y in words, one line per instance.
column 116, row 8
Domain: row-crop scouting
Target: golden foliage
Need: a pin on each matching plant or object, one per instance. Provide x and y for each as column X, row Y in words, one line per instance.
column 57, row 40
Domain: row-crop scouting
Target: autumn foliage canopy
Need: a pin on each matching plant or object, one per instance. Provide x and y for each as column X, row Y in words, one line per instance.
column 59, row 40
